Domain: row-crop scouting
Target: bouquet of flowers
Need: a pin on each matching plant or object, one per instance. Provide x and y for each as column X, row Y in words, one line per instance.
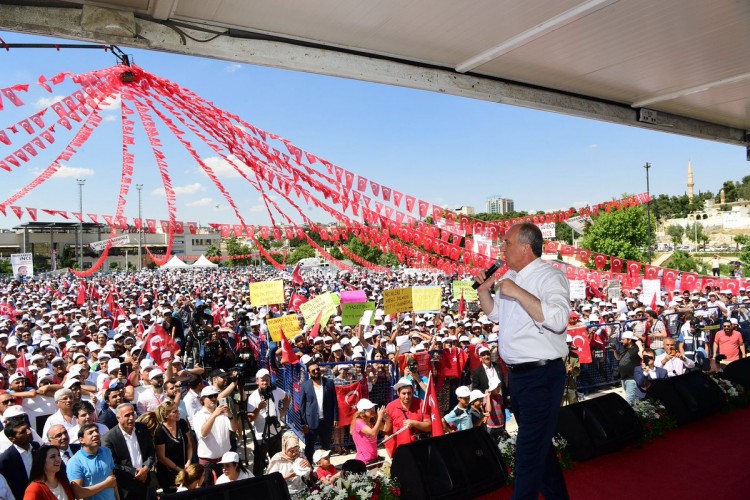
column 654, row 418
column 507, row 446
column 356, row 486
column 736, row 395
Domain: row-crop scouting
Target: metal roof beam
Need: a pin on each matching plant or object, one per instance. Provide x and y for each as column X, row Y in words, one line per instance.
column 150, row 35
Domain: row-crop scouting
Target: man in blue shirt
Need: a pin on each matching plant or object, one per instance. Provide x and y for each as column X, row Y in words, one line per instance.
column 91, row 470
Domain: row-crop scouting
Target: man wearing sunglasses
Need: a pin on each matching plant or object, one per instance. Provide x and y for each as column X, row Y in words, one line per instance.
column 213, row 427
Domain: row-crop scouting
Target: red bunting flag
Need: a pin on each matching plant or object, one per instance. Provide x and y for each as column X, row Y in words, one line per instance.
column 600, row 260
column 615, row 264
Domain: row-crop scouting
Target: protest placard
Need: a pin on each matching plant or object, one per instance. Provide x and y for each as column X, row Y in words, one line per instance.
column 22, row 264
column 469, row 293
column 577, row 289
column 352, row 312
column 351, row 296
column 426, row 298
column 289, row 324
column 264, row 293
column 322, row 303
column 397, row 300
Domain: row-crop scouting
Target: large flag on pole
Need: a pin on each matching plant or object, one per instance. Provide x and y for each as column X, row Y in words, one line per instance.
column 430, row 407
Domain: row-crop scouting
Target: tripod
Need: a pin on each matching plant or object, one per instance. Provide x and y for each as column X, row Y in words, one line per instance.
column 269, row 444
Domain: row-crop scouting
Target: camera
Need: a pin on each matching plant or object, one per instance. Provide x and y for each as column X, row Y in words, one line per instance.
column 266, row 393
column 412, row 365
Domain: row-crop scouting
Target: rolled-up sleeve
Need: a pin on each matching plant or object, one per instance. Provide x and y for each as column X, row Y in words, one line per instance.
column 555, row 300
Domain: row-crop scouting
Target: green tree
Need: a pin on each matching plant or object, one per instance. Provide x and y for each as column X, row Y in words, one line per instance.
column 337, row 254
column 235, row 248
column 5, row 266
column 682, row 261
column 741, row 239
column 114, row 266
column 388, row 259
column 564, row 232
column 730, row 192
column 213, row 251
column 745, row 257
column 676, row 232
column 694, row 232
column 622, row 233
column 299, row 253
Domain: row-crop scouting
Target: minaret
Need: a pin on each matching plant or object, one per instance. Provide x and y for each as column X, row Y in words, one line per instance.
column 690, row 182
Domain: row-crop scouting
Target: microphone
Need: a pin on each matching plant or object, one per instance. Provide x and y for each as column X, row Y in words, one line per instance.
column 489, row 272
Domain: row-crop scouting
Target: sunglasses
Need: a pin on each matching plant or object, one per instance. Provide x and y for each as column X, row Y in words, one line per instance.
column 6, row 402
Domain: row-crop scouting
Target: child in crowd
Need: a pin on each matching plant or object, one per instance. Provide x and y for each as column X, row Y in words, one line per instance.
column 326, row 472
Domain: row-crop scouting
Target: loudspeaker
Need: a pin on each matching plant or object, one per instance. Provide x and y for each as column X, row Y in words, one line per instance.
column 465, row 464
column 739, row 372
column 269, row 487
column 599, row 426
column 688, row 397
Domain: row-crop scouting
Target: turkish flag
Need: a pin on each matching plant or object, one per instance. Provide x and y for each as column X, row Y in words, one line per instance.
column 600, row 260
column 551, row 246
column 634, row 268
column 452, row 362
column 583, row 255
column 7, row 311
column 651, row 272
column 288, row 356
column 688, row 282
column 348, row 396
column 295, row 301
column 669, row 279
column 581, row 343
column 567, row 250
column 193, row 227
column 316, row 326
column 430, row 407
column 151, row 225
column 297, row 275
column 81, row 298
column 733, row 286
column 159, row 342
column 615, row 264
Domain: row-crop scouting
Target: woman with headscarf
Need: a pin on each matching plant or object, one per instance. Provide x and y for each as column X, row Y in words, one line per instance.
column 294, row 467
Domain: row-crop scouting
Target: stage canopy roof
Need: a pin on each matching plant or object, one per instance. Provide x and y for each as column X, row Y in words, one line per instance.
column 677, row 66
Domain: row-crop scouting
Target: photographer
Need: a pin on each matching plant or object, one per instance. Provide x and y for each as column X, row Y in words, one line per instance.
column 673, row 360
column 648, row 371
column 266, row 409
column 418, row 382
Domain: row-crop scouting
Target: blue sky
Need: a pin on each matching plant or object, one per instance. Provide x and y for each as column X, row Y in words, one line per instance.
column 447, row 150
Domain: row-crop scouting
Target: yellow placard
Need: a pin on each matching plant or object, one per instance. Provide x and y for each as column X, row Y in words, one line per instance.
column 469, row 293
column 322, row 303
column 426, row 298
column 397, row 300
column 264, row 293
column 289, row 324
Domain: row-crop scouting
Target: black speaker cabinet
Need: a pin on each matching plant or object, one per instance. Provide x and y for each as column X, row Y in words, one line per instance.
column 599, row 426
column 459, row 465
column 739, row 372
column 268, row 487
column 688, row 397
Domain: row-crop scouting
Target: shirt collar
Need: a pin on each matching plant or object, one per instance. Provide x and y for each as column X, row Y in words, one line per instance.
column 530, row 267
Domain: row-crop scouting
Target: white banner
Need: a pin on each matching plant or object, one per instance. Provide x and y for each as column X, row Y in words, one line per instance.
column 23, row 264
column 548, row 230
column 577, row 289
column 99, row 246
column 578, row 224
column 650, row 288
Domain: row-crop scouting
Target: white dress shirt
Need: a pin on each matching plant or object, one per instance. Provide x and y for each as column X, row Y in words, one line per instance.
column 521, row 339
column 26, row 457
column 131, row 441
column 674, row 366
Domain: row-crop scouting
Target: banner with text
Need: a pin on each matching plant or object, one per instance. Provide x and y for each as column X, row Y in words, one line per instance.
column 23, row 265
column 321, row 303
column 264, row 293
column 352, row 312
column 469, row 293
column 98, row 246
column 289, row 324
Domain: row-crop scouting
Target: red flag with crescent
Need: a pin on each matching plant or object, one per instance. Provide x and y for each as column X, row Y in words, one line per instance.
column 615, row 264
column 581, row 343
column 669, row 279
column 348, row 396
column 651, row 272
column 634, row 268
column 600, row 260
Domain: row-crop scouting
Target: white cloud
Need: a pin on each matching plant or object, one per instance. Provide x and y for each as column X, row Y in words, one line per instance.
column 231, row 68
column 111, row 104
column 593, row 146
column 110, row 118
column 222, row 168
column 45, row 102
column 579, row 204
column 203, row 202
column 74, row 172
column 196, row 187
column 258, row 208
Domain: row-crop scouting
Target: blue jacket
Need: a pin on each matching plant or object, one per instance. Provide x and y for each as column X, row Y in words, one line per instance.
column 641, row 379
column 308, row 405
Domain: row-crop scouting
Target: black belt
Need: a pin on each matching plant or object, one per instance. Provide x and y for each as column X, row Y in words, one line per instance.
column 520, row 367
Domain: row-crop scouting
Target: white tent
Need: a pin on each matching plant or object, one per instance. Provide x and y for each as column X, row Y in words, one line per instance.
column 203, row 262
column 174, row 263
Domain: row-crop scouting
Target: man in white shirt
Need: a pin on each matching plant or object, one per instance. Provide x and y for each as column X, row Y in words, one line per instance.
column 15, row 462
column 213, row 428
column 64, row 414
column 154, row 394
column 673, row 360
column 531, row 306
column 192, row 397
column 266, row 407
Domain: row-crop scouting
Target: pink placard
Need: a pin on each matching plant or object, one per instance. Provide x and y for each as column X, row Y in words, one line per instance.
column 353, row 296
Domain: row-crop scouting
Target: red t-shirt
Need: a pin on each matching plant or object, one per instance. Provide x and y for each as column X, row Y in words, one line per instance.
column 729, row 345
column 326, row 472
column 398, row 414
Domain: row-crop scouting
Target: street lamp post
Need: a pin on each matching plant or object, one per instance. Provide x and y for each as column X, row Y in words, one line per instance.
column 140, row 228
column 80, row 182
column 647, row 166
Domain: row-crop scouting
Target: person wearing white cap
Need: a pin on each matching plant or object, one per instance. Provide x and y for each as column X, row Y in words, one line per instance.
column 213, row 428
column 460, row 417
column 153, row 395
column 629, row 358
column 232, row 469
column 532, row 306
column 404, row 411
column 366, row 423
column 266, row 409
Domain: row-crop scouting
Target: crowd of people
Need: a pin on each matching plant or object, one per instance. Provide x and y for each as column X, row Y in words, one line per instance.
column 87, row 413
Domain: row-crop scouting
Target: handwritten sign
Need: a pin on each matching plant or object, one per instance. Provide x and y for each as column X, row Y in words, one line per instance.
column 265, row 293
column 397, row 300
column 289, row 324
column 426, row 298
column 352, row 296
column 577, row 289
column 321, row 303
column 650, row 288
column 464, row 286
column 351, row 313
